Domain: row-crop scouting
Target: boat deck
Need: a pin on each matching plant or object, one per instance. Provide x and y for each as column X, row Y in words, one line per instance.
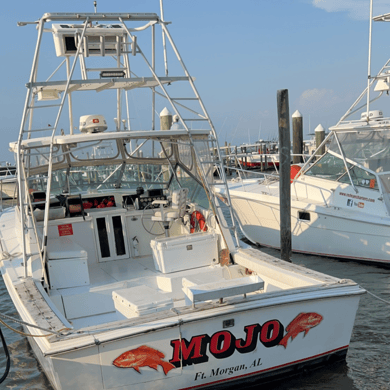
column 134, row 287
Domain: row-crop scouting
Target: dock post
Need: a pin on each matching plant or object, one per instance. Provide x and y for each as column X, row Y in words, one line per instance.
column 297, row 123
column 165, row 124
column 264, row 151
column 320, row 136
column 165, row 119
column 260, row 153
column 236, row 158
column 284, row 174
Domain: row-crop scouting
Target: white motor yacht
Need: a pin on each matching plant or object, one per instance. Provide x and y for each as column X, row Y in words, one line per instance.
column 340, row 202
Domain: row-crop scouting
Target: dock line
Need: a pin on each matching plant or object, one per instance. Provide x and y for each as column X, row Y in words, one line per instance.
column 27, row 324
column 375, row 296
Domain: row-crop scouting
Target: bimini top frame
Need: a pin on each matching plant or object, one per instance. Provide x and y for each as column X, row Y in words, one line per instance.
column 117, row 41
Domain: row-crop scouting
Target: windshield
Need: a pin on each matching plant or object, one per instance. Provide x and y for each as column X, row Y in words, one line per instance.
column 87, row 167
column 328, row 167
column 332, row 167
column 369, row 149
column 101, row 177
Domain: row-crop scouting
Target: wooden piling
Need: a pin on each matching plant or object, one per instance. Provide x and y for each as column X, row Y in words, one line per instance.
column 284, row 174
column 165, row 119
column 297, row 123
column 165, row 124
column 264, row 151
column 320, row 136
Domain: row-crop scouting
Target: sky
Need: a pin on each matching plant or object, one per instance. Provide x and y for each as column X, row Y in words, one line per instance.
column 240, row 52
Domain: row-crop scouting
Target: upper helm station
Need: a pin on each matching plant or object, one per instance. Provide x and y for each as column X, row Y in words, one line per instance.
column 77, row 134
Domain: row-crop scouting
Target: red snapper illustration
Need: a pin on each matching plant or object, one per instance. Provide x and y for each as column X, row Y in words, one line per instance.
column 143, row 356
column 303, row 322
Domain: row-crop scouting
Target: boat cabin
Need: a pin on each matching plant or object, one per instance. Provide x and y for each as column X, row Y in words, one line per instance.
column 121, row 228
column 354, row 171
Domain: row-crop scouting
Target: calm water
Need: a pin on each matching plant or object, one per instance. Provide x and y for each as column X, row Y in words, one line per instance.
column 368, row 359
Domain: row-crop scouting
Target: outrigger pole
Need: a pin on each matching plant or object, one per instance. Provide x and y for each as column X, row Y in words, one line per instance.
column 369, row 62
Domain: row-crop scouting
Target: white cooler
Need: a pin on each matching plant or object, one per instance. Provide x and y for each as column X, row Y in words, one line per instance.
column 172, row 254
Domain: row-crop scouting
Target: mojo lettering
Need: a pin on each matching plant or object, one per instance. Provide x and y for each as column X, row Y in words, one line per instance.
column 223, row 344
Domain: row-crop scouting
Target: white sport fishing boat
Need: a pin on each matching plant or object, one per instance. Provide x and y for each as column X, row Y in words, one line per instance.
column 118, row 258
column 340, row 203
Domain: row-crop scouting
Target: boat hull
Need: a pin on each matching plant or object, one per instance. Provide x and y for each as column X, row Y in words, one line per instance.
column 8, row 188
column 213, row 356
column 325, row 234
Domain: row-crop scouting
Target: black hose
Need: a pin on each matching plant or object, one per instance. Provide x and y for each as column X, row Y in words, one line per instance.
column 2, row 379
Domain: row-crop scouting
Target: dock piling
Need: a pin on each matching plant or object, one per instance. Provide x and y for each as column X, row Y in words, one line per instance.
column 264, row 152
column 320, row 136
column 165, row 119
column 284, row 174
column 297, row 122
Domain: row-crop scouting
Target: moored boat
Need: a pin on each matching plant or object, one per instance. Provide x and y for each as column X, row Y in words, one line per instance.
column 7, row 180
column 339, row 202
column 121, row 264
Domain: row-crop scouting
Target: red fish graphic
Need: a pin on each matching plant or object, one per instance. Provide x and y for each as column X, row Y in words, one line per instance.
column 143, row 356
column 303, row 322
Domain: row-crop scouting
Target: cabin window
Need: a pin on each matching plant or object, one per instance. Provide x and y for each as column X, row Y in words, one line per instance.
column 118, row 234
column 303, row 215
column 103, row 237
column 328, row 167
column 70, row 44
column 361, row 178
column 100, row 150
column 197, row 193
column 185, row 155
column 133, row 149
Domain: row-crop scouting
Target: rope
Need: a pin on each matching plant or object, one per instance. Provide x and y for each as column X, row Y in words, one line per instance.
column 22, row 333
column 375, row 296
column 6, row 255
column 231, row 277
column 27, row 324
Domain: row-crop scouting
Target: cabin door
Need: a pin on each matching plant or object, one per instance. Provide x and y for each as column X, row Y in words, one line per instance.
column 110, row 234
